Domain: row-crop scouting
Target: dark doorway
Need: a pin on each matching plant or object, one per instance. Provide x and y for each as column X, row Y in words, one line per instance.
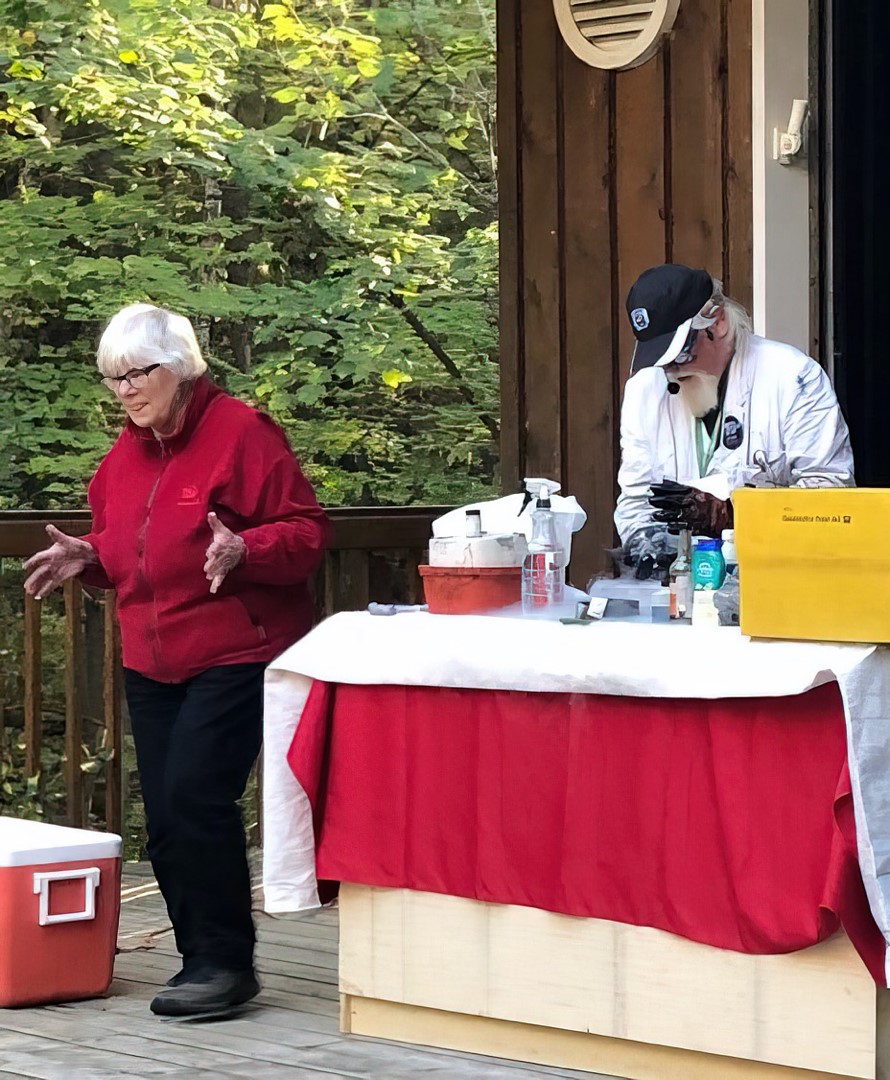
column 855, row 96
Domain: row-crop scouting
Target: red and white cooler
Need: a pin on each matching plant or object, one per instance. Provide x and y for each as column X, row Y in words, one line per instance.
column 59, row 910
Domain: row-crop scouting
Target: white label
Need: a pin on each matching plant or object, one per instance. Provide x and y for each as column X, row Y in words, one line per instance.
column 597, row 607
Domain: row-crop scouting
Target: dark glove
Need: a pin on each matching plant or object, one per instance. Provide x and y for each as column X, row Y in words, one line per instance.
column 682, row 507
column 645, row 568
column 646, row 548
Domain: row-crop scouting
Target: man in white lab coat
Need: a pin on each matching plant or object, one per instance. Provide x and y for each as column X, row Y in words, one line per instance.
column 711, row 407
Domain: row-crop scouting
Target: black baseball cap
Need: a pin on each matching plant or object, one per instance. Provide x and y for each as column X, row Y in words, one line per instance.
column 663, row 305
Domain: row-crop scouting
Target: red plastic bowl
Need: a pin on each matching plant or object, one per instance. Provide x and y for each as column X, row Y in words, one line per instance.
column 468, row 590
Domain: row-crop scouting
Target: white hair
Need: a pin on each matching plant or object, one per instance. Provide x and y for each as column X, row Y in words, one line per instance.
column 738, row 319
column 142, row 334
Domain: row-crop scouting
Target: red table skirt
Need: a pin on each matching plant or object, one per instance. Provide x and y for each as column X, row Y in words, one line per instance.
column 727, row 822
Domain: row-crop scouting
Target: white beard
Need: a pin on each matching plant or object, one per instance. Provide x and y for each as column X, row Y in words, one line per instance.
column 700, row 393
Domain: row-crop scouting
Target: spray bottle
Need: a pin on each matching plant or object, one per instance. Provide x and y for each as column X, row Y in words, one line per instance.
column 543, row 571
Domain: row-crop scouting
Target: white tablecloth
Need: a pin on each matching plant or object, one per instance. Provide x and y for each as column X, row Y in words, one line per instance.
column 635, row 660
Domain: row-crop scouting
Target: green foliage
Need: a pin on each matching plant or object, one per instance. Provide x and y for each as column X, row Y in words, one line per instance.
column 312, row 182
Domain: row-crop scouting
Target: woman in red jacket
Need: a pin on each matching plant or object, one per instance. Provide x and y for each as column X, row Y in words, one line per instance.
column 207, row 530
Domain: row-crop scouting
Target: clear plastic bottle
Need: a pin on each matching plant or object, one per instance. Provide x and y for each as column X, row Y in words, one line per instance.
column 543, row 571
column 680, row 578
column 728, row 552
column 726, row 598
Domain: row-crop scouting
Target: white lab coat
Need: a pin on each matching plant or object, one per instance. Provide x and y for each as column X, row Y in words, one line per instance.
column 786, row 407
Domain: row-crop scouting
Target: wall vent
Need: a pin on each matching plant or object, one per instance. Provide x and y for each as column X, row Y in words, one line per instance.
column 615, row 34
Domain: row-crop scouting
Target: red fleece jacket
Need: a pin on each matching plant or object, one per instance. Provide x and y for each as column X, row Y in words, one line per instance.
column 150, row 498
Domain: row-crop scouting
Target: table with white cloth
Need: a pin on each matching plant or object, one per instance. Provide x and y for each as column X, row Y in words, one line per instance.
column 626, row 848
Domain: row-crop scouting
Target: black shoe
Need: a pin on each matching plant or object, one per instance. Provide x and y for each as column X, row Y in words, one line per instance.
column 188, row 972
column 207, row 992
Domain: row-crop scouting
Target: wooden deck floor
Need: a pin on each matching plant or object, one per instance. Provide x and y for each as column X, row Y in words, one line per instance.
column 291, row 1031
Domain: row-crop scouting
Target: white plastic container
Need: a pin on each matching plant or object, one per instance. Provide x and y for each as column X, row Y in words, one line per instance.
column 660, row 605
column 59, row 912
column 499, row 549
column 728, row 550
column 704, row 612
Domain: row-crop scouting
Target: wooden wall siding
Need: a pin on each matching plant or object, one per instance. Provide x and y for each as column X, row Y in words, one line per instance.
column 601, row 175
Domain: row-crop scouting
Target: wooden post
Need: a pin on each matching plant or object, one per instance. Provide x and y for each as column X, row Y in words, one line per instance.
column 74, row 661
column 540, row 164
column 33, row 686
column 589, row 277
column 328, row 573
column 346, row 580
column 511, row 263
column 113, row 739
column 413, row 584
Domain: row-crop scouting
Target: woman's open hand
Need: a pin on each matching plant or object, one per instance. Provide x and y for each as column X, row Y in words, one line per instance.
column 226, row 551
column 48, row 569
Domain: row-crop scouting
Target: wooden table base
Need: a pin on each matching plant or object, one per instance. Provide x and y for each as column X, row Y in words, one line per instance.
column 589, row 994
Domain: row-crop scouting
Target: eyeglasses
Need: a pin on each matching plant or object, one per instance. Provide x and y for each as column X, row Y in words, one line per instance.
column 136, row 377
column 685, row 354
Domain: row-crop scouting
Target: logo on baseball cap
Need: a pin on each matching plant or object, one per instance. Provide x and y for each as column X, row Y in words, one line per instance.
column 663, row 305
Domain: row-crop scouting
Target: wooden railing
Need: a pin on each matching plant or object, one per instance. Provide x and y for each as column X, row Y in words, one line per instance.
column 374, row 556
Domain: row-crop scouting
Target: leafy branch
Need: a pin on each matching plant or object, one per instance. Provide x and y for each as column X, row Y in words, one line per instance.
column 435, row 346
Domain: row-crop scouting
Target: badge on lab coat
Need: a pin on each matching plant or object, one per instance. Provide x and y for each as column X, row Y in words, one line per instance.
column 733, row 433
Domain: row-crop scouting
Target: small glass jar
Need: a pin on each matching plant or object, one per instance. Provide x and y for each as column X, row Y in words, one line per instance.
column 473, row 523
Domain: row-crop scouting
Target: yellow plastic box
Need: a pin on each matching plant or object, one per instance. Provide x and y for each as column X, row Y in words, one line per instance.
column 814, row 564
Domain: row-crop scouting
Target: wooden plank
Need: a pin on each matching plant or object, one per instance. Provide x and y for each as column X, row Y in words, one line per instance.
column 74, row 660
column 413, row 584
column 510, row 225
column 111, row 699
column 590, row 463
column 738, row 267
column 542, row 193
column 813, row 1009
column 290, row 958
column 22, row 532
column 641, row 228
column 348, row 580
column 331, row 568
column 33, row 686
column 3, row 693
column 315, row 942
column 8, row 687
column 318, row 589
column 252, row 1038
column 182, row 1047
column 551, row 1046
column 50, row 1058
column 278, row 932
column 383, row 527
column 696, row 130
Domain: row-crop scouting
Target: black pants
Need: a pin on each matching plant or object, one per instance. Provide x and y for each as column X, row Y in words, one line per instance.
column 195, row 744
